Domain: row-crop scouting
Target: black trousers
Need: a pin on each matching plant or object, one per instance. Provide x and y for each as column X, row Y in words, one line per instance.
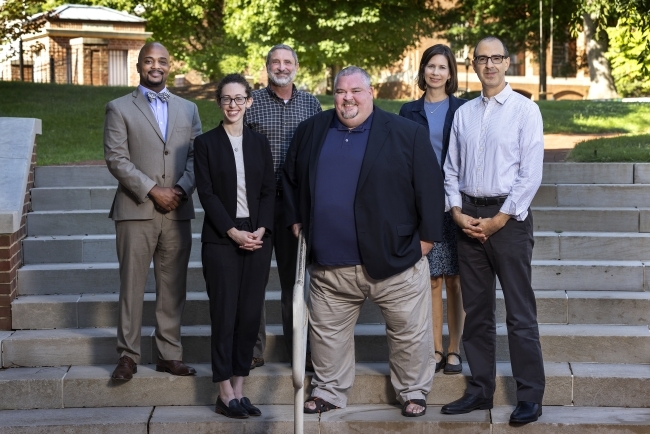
column 235, row 281
column 506, row 254
column 286, row 255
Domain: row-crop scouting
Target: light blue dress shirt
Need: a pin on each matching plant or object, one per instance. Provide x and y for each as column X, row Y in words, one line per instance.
column 159, row 109
column 496, row 148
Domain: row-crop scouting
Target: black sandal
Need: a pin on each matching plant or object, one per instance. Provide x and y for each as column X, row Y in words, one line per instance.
column 420, row 402
column 321, row 406
column 450, row 368
column 443, row 361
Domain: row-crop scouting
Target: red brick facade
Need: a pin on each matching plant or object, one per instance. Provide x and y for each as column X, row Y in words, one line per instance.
column 11, row 257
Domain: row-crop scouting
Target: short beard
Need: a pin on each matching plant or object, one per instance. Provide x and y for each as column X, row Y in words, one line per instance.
column 348, row 115
column 280, row 82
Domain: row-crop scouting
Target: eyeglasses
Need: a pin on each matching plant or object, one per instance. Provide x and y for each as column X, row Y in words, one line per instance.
column 239, row 100
column 496, row 59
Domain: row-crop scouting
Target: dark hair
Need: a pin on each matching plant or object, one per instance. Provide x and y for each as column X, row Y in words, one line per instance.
column 493, row 38
column 452, row 84
column 234, row 78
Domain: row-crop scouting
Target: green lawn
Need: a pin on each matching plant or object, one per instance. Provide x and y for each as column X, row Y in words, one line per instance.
column 73, row 119
column 632, row 148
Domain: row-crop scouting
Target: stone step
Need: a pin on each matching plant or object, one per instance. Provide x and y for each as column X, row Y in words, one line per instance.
column 354, row 419
column 581, row 219
column 101, row 277
column 548, row 275
column 560, row 343
column 547, row 218
column 78, row 198
column 554, row 173
column 41, row 312
column 86, row 386
column 82, row 222
column 616, row 246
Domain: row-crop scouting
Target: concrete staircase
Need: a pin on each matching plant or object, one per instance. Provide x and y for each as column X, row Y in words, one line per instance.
column 592, row 225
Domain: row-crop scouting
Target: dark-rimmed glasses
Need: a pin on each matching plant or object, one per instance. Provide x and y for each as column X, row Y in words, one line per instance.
column 226, row 100
column 496, row 59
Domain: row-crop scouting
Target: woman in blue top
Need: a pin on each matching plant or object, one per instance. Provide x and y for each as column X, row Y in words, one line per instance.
column 437, row 77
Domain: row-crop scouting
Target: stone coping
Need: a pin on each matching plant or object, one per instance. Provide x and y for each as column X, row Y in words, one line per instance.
column 17, row 136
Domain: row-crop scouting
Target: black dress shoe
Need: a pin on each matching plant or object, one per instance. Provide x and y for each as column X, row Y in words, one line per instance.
column 233, row 409
column 443, row 361
column 526, row 412
column 249, row 407
column 466, row 404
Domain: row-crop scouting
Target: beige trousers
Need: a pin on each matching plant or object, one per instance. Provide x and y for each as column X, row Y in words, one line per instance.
column 336, row 296
column 169, row 243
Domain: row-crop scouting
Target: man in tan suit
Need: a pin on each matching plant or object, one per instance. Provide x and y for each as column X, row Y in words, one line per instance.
column 148, row 147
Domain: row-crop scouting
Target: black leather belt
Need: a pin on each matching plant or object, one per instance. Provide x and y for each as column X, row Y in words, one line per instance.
column 484, row 201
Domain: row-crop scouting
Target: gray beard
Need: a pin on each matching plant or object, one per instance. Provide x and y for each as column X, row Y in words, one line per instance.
column 281, row 82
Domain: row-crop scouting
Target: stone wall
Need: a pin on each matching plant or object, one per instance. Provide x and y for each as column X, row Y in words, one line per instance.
column 17, row 162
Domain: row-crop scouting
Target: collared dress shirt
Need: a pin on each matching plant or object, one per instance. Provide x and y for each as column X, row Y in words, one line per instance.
column 496, row 148
column 277, row 120
column 159, row 109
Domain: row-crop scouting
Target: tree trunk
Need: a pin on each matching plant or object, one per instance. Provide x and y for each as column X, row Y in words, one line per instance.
column 602, row 83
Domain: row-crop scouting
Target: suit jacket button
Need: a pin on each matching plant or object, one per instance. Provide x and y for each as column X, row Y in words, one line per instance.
column 163, row 176
column 166, row 152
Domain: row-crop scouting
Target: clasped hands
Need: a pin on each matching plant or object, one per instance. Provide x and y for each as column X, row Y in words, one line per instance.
column 247, row 240
column 479, row 228
column 166, row 199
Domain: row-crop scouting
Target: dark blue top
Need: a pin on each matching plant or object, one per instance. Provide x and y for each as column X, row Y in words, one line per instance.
column 337, row 174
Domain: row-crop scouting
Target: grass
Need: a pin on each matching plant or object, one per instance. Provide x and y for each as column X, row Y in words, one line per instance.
column 73, row 119
column 631, row 148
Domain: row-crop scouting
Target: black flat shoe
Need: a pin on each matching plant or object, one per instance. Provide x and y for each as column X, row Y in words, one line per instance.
column 250, row 408
column 233, row 409
column 450, row 368
column 443, row 361
column 467, row 404
column 526, row 412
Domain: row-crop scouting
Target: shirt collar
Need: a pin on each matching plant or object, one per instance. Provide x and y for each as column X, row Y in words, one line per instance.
column 502, row 96
column 143, row 90
column 272, row 94
column 336, row 123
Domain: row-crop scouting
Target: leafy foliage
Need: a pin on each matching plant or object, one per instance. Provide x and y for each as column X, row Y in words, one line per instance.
column 15, row 22
column 630, row 65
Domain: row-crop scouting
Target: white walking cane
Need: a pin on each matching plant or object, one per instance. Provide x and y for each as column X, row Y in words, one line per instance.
column 300, row 322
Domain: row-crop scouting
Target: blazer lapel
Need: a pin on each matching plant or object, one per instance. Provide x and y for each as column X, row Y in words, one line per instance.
column 378, row 134
column 172, row 113
column 419, row 108
column 318, row 135
column 249, row 166
column 141, row 103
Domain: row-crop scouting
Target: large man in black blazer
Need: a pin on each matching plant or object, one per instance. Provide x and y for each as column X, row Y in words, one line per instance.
column 365, row 187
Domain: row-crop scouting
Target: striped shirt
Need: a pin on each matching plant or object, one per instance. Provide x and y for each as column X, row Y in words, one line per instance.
column 496, row 148
column 277, row 120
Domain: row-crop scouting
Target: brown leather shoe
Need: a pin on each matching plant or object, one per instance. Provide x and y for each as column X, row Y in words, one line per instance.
column 125, row 369
column 257, row 362
column 174, row 367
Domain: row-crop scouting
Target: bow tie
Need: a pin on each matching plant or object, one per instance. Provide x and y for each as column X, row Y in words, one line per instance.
column 164, row 96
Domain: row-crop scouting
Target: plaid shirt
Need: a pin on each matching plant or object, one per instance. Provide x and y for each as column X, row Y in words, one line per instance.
column 269, row 115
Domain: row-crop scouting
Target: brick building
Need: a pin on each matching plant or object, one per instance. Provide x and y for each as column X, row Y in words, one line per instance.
column 78, row 44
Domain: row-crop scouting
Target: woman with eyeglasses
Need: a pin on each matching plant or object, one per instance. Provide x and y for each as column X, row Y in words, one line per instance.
column 236, row 186
column 437, row 77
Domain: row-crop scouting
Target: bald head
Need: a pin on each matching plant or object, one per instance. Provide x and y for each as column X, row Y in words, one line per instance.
column 153, row 66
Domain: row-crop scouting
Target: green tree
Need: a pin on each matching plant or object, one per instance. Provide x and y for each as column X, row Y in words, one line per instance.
column 367, row 33
column 15, row 23
column 626, row 54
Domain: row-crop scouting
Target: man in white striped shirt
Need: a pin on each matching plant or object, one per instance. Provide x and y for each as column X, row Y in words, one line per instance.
column 492, row 172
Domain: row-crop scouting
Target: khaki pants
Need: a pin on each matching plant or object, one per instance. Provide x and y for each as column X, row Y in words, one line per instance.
column 169, row 243
column 336, row 297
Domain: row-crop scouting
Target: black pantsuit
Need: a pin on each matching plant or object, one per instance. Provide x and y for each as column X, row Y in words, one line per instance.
column 506, row 254
column 235, row 281
column 235, row 278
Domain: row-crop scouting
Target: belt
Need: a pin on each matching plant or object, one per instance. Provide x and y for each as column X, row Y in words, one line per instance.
column 484, row 201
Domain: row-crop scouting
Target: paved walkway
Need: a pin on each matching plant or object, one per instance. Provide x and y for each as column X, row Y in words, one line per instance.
column 557, row 146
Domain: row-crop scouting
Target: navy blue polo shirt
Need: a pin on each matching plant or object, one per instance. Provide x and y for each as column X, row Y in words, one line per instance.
column 337, row 175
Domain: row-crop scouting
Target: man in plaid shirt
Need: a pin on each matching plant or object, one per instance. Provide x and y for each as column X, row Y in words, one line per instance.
column 276, row 112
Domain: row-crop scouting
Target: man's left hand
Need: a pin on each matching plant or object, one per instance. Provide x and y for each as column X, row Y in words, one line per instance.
column 426, row 247
column 490, row 226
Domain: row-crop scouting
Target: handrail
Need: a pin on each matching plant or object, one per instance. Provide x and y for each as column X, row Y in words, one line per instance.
column 300, row 322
